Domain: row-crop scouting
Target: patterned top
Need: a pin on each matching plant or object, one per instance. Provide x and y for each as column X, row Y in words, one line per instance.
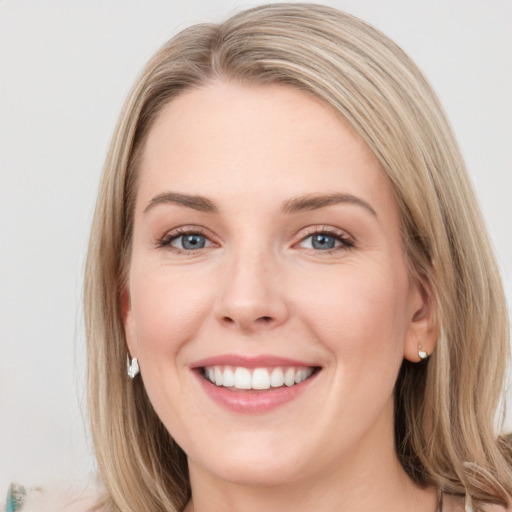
column 63, row 498
column 15, row 496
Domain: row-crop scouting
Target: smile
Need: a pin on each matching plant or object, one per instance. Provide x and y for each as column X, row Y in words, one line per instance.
column 242, row 378
column 254, row 384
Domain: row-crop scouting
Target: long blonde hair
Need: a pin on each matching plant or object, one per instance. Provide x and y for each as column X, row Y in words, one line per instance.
column 446, row 408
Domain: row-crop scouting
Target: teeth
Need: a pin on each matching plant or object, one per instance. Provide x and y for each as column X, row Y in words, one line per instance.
column 260, row 378
column 289, row 377
column 276, row 378
column 300, row 376
column 228, row 379
column 242, row 378
column 218, row 376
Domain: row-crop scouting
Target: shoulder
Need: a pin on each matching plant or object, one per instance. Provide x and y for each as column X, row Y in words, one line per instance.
column 61, row 498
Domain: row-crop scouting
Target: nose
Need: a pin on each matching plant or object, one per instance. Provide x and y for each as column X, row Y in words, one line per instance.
column 252, row 297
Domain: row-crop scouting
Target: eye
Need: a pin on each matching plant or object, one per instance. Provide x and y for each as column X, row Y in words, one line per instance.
column 185, row 241
column 189, row 242
column 322, row 241
column 326, row 241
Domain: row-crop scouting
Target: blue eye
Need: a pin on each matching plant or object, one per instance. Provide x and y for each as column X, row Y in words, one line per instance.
column 323, row 242
column 189, row 242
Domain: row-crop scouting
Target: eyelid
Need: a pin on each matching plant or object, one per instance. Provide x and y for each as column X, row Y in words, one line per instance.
column 165, row 240
column 346, row 240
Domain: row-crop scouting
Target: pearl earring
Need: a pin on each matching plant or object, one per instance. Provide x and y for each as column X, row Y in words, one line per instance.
column 422, row 354
column 133, row 367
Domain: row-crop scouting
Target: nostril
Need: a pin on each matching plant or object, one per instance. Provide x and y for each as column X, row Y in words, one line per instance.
column 245, row 323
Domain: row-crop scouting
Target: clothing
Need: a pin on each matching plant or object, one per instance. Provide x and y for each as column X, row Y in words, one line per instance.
column 61, row 499
column 15, row 497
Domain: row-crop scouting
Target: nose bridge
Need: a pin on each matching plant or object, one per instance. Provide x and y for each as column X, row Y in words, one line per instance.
column 252, row 297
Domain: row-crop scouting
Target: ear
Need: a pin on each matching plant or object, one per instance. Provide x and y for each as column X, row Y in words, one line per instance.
column 128, row 322
column 422, row 331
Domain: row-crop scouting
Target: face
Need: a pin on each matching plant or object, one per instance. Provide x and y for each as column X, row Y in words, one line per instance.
column 269, row 302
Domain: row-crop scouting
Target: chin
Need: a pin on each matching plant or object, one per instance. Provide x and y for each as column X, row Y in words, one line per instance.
column 257, row 473
column 256, row 467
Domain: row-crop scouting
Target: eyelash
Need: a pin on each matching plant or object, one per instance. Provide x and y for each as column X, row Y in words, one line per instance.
column 168, row 238
column 346, row 243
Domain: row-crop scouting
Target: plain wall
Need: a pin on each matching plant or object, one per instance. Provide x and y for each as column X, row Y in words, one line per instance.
column 65, row 69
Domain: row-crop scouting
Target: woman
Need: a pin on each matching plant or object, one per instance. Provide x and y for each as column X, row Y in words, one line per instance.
column 287, row 249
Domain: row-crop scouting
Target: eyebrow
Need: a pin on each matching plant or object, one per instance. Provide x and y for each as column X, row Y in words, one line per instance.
column 295, row 205
column 198, row 203
column 314, row 202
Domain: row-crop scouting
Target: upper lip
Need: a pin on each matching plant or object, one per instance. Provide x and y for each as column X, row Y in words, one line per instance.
column 261, row 361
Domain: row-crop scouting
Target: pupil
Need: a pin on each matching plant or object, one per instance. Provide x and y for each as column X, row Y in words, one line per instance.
column 323, row 242
column 193, row 242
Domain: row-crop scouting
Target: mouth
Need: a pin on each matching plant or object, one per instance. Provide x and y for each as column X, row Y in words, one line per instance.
column 241, row 378
column 254, row 384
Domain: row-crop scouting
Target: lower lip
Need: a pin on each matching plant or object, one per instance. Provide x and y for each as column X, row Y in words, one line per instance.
column 253, row 401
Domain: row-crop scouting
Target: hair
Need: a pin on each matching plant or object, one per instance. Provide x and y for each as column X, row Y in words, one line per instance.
column 445, row 419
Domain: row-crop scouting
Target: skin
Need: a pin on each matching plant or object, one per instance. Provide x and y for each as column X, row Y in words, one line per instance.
column 260, row 287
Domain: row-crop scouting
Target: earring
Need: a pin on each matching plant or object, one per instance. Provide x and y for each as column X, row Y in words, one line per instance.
column 133, row 367
column 422, row 354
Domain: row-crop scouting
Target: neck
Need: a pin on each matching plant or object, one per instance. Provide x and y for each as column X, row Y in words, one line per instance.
column 367, row 497
column 370, row 479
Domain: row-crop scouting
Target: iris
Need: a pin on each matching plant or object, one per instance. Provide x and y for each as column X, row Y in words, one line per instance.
column 193, row 241
column 323, row 242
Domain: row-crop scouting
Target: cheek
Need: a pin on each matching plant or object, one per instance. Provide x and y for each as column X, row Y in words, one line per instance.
column 359, row 313
column 167, row 308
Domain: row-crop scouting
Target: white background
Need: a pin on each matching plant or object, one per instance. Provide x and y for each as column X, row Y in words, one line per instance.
column 65, row 69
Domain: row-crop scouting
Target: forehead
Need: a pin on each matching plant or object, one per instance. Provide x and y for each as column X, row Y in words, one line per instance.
column 231, row 140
